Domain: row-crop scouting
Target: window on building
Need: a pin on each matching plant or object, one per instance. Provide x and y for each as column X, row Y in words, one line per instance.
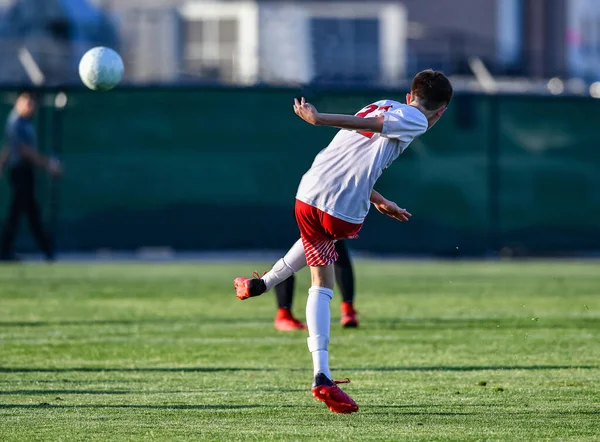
column 346, row 49
column 210, row 49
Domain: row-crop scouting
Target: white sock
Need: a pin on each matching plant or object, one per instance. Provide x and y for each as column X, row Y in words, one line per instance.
column 318, row 320
column 293, row 261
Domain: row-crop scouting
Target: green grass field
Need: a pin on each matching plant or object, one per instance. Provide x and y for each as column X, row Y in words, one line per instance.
column 446, row 351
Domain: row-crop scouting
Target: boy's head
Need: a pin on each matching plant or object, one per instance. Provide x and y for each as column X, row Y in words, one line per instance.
column 432, row 89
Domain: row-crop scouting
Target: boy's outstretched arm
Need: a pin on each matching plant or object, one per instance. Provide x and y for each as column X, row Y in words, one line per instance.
column 309, row 113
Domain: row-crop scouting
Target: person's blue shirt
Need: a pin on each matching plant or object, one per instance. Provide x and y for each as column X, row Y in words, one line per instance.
column 19, row 131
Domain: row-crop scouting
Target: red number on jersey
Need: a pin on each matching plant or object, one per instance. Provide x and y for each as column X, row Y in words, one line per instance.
column 369, row 110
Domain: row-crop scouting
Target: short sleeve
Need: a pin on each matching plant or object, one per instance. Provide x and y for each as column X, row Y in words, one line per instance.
column 404, row 124
column 20, row 134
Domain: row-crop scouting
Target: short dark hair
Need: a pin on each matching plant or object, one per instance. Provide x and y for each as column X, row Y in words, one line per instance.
column 432, row 89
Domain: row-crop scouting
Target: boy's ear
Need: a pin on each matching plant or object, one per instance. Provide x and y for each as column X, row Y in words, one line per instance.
column 407, row 98
column 440, row 112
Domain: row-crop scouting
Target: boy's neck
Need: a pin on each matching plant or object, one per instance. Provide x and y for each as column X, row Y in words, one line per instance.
column 428, row 114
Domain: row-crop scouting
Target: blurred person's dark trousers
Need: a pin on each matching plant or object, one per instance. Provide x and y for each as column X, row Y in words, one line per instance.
column 23, row 201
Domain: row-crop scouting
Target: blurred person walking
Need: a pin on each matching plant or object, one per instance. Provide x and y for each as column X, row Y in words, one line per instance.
column 21, row 156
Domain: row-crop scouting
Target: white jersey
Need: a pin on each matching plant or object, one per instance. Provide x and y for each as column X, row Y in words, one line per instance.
column 343, row 174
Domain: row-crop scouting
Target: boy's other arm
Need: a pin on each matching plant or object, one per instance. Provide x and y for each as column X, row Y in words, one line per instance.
column 309, row 113
column 388, row 207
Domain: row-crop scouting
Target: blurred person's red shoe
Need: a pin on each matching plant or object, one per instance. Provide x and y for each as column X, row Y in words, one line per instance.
column 285, row 321
column 349, row 315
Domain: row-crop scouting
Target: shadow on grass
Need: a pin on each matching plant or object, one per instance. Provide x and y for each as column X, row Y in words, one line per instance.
column 386, row 409
column 370, row 410
column 482, row 323
column 86, row 323
column 125, row 322
column 250, row 369
column 73, row 381
column 142, row 407
column 476, row 368
column 126, row 370
column 419, row 413
column 399, row 324
column 36, row 392
column 149, row 392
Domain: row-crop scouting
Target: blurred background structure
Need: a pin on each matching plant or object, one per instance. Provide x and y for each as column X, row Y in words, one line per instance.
column 282, row 42
column 172, row 157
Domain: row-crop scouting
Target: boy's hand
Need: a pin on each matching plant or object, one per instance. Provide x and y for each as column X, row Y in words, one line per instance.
column 306, row 111
column 390, row 208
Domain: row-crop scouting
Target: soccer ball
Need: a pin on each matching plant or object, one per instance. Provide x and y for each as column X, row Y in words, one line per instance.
column 101, row 69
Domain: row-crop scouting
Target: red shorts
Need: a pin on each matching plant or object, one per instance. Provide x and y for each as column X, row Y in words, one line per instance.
column 319, row 231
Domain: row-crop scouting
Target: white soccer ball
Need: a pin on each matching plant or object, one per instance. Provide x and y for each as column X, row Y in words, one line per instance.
column 101, row 69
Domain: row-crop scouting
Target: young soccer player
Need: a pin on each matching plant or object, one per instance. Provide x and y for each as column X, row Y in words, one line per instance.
column 333, row 200
column 344, row 277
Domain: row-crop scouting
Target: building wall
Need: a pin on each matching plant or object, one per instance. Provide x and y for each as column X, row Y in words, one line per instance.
column 441, row 32
column 123, row 5
column 476, row 16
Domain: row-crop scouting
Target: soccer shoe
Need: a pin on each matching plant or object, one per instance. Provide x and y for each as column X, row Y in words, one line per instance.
column 285, row 321
column 349, row 315
column 249, row 287
column 327, row 391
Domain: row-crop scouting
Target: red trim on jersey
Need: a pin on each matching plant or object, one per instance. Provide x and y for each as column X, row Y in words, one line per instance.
column 318, row 231
column 371, row 109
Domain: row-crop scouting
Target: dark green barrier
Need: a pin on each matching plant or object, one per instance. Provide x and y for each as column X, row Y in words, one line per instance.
column 549, row 191
column 218, row 169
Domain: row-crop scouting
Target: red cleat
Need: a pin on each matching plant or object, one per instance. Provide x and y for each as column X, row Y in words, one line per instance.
column 328, row 392
column 285, row 321
column 349, row 315
column 247, row 288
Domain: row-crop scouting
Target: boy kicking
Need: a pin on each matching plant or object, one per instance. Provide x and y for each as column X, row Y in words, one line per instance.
column 333, row 200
